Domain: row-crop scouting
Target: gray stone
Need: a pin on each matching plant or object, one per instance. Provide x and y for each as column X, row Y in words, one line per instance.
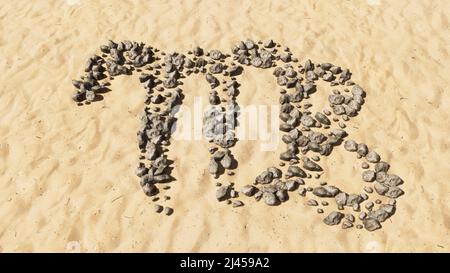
column 268, row 43
column 338, row 109
column 295, row 171
column 372, row 157
column 213, row 167
column 380, row 188
column 382, row 167
column 237, row 203
column 350, row 145
column 248, row 190
column 312, row 203
column 358, row 91
column 291, row 185
column 215, row 54
column 149, row 189
column 368, row 189
column 394, row 192
column 322, row 118
column 282, row 195
column 393, row 180
column 307, row 121
column 258, row 195
column 369, row 205
column 381, row 176
column 341, row 199
column 222, row 193
column 168, row 211
column 310, row 165
column 226, row 161
column 264, row 178
column 354, row 199
column 270, row 198
column 328, row 76
column 336, row 99
column 326, row 191
column 368, row 176
column 302, row 191
column 334, row 218
column 346, row 224
column 276, row 173
column 350, row 218
column 158, row 208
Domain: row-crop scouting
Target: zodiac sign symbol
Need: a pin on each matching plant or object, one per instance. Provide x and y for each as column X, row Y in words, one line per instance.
column 306, row 133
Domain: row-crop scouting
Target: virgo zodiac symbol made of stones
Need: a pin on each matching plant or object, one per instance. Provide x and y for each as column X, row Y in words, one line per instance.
column 308, row 136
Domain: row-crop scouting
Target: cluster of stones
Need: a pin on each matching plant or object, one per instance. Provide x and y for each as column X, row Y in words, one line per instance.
column 315, row 133
column 308, row 136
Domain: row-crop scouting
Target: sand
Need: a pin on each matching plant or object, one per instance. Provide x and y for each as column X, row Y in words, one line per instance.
column 67, row 178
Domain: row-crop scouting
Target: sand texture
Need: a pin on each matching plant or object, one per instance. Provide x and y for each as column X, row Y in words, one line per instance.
column 67, row 179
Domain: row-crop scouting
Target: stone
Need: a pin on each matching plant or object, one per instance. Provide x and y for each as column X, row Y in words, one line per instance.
column 286, row 156
column 372, row 157
column 336, row 99
column 380, row 188
column 350, row 218
column 326, row 191
column 268, row 43
column 328, row 76
column 312, row 203
column 334, row 218
column 90, row 96
column 394, row 192
column 353, row 199
column 302, row 191
column 226, row 161
column 338, row 109
column 276, row 173
column 168, row 211
column 346, row 224
column 369, row 205
column 237, row 203
column 264, row 178
column 322, row 118
column 310, row 165
column 197, row 51
column 270, row 198
column 350, row 145
column 158, row 208
column 296, row 171
column 215, row 54
column 371, row 224
column 358, row 91
column 282, row 195
column 213, row 167
column 393, row 180
column 381, row 176
column 249, row 190
column 141, row 170
column 341, row 198
column 368, row 176
column 149, row 189
column 310, row 76
column 291, row 185
column 222, row 193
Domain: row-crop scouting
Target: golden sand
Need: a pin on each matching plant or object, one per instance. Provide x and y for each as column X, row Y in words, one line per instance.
column 67, row 178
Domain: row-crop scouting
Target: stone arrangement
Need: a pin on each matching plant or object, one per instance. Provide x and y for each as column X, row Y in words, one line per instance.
column 308, row 136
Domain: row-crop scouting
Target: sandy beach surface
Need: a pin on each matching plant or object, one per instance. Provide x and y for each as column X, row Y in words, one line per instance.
column 67, row 181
